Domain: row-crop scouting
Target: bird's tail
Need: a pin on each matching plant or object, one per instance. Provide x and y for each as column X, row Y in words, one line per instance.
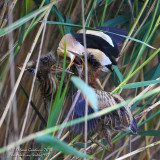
column 133, row 126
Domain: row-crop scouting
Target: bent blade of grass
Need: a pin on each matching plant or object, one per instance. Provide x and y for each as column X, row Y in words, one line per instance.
column 90, row 28
column 149, row 133
column 88, row 92
column 59, row 145
column 71, row 144
column 104, row 12
column 119, row 74
column 153, row 73
column 91, row 13
column 138, row 150
column 140, row 84
column 117, row 21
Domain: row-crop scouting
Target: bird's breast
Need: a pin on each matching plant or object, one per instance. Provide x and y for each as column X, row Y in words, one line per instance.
column 49, row 86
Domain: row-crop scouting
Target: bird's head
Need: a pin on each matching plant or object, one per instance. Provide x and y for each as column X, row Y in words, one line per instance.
column 47, row 64
column 79, row 61
column 94, row 68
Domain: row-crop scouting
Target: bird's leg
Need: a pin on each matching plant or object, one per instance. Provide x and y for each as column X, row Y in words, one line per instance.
column 46, row 106
column 99, row 83
column 99, row 144
column 102, row 130
column 107, row 134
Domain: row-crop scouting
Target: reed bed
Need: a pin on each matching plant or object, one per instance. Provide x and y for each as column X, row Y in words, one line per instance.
column 30, row 28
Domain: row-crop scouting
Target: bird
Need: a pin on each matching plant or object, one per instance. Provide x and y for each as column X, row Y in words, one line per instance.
column 118, row 120
column 104, row 46
column 47, row 68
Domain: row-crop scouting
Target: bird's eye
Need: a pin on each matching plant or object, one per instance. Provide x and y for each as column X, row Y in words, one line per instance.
column 45, row 60
column 31, row 71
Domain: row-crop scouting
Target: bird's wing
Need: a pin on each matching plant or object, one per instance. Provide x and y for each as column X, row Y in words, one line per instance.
column 119, row 119
column 105, row 100
column 97, row 42
column 118, row 39
column 119, row 99
column 106, row 37
column 129, row 118
column 79, row 111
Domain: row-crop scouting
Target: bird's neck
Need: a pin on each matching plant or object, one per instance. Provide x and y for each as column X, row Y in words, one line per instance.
column 93, row 74
column 48, row 85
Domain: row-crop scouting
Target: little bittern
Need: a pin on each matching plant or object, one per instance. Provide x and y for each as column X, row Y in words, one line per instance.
column 117, row 120
column 47, row 81
column 104, row 46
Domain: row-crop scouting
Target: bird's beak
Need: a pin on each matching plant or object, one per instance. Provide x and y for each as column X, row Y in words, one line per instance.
column 59, row 69
column 76, row 54
column 20, row 66
column 81, row 56
column 71, row 63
